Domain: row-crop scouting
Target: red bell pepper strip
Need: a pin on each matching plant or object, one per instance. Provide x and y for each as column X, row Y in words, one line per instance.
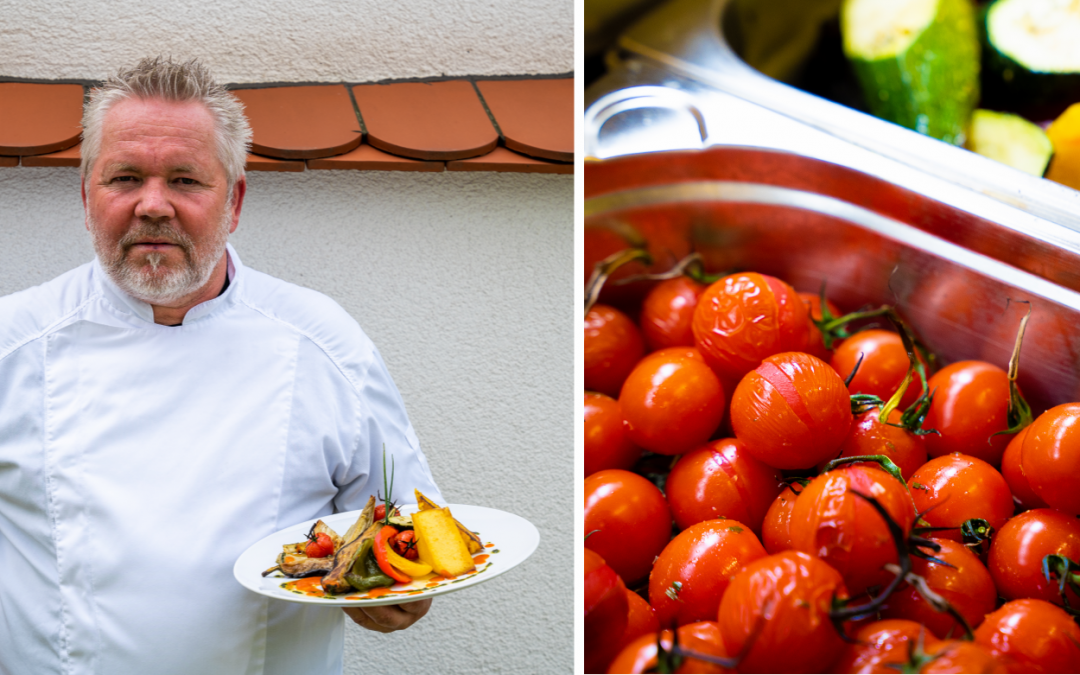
column 382, row 540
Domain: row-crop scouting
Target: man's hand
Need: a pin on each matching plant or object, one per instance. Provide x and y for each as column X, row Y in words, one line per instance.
column 389, row 618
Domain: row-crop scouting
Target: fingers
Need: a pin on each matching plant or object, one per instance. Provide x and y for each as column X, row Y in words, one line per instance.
column 389, row 618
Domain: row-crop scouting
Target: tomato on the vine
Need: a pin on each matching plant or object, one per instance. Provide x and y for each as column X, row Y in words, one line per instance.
column 883, row 367
column 870, row 436
column 1050, row 457
column 1013, row 474
column 668, row 312
column 721, row 480
column 692, row 572
column 606, row 444
column 1032, row 636
column 1018, row 549
column 672, row 402
column 882, row 646
column 815, row 344
column 627, row 521
column 971, row 404
column 954, row 488
column 320, row 546
column 776, row 528
column 703, row 637
column 605, row 612
column 640, row 619
column 613, row 346
column 792, row 411
column 959, row 656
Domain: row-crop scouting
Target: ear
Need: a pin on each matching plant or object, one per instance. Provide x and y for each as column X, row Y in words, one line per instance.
column 239, row 190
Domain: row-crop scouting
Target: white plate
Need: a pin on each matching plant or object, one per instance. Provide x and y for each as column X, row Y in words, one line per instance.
column 512, row 539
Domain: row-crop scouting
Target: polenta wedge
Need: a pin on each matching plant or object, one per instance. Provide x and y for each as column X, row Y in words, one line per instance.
column 439, row 543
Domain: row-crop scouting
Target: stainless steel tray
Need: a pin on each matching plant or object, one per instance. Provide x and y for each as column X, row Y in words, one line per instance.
column 955, row 276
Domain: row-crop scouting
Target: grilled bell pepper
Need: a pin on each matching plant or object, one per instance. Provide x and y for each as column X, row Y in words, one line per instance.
column 366, row 573
column 381, row 546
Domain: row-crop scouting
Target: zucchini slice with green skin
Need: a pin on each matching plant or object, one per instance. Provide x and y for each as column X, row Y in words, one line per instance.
column 1032, row 56
column 917, row 62
column 1010, row 139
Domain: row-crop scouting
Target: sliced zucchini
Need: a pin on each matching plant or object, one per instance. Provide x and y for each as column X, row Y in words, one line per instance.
column 916, row 60
column 1010, row 139
column 1032, row 55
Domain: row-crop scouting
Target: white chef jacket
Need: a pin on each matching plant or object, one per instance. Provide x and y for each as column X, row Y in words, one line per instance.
column 138, row 461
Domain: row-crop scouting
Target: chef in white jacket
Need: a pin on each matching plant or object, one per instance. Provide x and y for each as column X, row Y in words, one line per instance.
column 164, row 407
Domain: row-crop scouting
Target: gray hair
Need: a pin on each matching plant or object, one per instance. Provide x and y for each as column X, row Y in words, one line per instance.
column 163, row 78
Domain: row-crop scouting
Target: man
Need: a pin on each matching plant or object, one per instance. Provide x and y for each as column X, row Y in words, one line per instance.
column 164, row 407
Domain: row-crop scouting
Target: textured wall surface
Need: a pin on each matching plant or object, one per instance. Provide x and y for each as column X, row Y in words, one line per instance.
column 290, row 40
column 464, row 281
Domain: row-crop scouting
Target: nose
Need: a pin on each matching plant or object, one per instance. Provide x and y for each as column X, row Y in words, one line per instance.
column 154, row 200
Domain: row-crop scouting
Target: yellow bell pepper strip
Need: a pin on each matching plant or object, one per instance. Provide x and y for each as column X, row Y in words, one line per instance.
column 382, row 547
column 413, row 569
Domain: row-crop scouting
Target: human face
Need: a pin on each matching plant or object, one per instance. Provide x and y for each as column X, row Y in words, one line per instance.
column 158, row 205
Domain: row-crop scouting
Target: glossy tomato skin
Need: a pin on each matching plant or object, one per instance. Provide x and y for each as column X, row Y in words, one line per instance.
column 702, row 637
column 776, row 528
column 695, row 568
column 815, row 344
column 668, row 311
column 1032, row 636
column 791, row 593
column 721, row 480
column 743, row 318
column 971, row 404
column 833, row 523
column 961, row 656
column 606, row 611
column 966, row 585
column 640, row 619
column 613, row 346
column 870, row 436
column 1018, row 549
column 1014, row 475
column 884, row 364
column 629, row 521
column 606, row 444
column 881, row 643
column 953, row 488
column 672, row 402
column 792, row 411
column 1050, row 457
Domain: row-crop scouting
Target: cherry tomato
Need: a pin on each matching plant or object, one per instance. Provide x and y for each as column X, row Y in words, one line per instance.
column 954, row 488
column 815, row 344
column 833, row 523
column 672, row 402
column 404, row 544
column 882, row 646
column 640, row 620
column 668, row 311
column 606, row 444
column 380, row 511
column 1013, row 474
column 319, row 547
column 743, row 318
column 667, row 241
column 721, row 480
column 702, row 637
column 884, row 364
column 966, row 585
column 792, row 411
column 1032, row 636
column 788, row 597
column 1018, row 549
column 971, row 404
column 627, row 521
column 776, row 528
column 605, row 612
column 694, row 569
column 870, row 436
column 960, row 656
column 613, row 346
column 1050, row 457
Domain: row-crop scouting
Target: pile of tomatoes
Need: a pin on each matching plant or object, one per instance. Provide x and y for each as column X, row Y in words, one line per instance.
column 723, row 536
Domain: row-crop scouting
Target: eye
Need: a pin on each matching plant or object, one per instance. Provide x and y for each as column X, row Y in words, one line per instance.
column 187, row 181
column 123, row 179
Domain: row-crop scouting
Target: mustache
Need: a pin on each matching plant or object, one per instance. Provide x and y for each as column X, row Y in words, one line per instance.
column 158, row 229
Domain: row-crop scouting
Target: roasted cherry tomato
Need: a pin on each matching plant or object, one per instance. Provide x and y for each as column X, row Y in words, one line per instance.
column 319, row 547
column 672, row 402
column 404, row 544
column 883, row 646
column 1018, row 549
column 692, row 572
column 971, row 404
column 954, row 488
column 743, row 318
column 833, row 523
column 884, row 365
column 792, row 411
column 668, row 311
column 870, row 436
column 606, row 612
column 721, row 480
column 1013, row 474
column 963, row 581
column 1050, row 457
column 784, row 599
column 613, row 346
column 627, row 521
column 776, row 528
column 703, row 637
column 815, row 344
column 606, row 444
column 1032, row 636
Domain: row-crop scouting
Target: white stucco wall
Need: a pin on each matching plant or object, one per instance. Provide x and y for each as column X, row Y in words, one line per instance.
column 464, row 281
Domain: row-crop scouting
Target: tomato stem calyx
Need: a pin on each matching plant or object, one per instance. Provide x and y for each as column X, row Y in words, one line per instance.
column 606, row 267
column 1063, row 572
column 883, row 461
column 976, row 534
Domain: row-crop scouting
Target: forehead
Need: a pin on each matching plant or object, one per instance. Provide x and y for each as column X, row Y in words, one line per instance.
column 159, row 132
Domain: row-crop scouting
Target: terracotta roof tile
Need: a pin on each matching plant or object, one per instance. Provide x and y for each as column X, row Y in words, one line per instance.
column 501, row 159
column 9, row 161
column 69, row 157
column 39, row 118
column 258, row 163
column 536, row 117
column 367, row 158
column 426, row 120
column 301, row 122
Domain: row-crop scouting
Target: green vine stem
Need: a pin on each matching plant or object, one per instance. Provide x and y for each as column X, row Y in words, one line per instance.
column 1020, row 414
column 603, row 269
